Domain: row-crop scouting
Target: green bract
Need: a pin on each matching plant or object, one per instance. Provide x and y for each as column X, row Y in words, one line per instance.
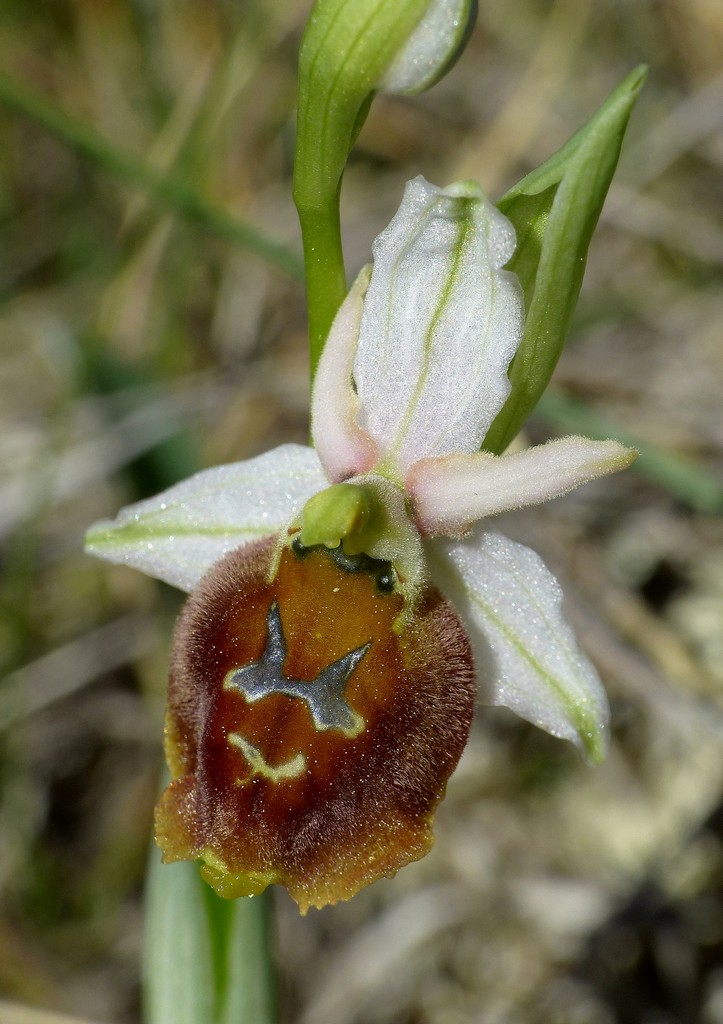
column 554, row 211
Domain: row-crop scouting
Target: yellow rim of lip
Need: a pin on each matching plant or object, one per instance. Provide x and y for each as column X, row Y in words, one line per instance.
column 230, row 886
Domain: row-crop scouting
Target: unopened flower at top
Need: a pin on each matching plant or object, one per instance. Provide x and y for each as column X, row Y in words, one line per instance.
column 349, row 600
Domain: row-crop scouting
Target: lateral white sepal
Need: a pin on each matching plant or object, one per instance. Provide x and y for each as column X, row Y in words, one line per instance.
column 526, row 654
column 178, row 535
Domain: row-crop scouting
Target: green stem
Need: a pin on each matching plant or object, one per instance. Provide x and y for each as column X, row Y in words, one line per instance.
column 325, row 275
column 179, row 982
column 166, row 189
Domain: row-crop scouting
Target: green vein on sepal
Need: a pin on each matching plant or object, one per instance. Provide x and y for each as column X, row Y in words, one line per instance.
column 465, row 229
column 585, row 724
column 135, row 533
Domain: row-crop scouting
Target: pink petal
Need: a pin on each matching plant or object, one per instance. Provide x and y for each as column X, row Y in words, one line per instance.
column 343, row 447
column 451, row 493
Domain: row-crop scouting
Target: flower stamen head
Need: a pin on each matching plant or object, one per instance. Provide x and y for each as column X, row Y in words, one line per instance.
column 336, row 515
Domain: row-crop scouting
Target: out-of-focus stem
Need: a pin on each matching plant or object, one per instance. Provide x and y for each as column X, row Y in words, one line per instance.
column 206, row 960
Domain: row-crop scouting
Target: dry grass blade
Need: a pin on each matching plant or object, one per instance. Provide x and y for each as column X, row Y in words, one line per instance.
column 11, row 1013
column 73, row 666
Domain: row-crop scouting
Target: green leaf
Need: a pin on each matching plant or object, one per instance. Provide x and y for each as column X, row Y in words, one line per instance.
column 554, row 210
column 179, row 976
column 206, row 960
column 249, row 991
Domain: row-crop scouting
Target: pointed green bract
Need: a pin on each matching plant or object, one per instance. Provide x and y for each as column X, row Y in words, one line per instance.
column 554, row 210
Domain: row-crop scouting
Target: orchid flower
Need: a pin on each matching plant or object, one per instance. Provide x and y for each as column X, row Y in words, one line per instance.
column 348, row 601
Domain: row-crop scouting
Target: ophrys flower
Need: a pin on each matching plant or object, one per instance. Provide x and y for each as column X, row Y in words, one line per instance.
column 345, row 597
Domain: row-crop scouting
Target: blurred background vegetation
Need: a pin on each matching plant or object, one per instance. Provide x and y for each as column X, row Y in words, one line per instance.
column 146, row 331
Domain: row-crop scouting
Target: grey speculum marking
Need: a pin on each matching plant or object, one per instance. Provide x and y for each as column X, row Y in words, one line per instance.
column 323, row 695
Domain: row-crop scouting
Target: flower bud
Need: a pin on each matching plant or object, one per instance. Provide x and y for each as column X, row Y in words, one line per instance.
column 352, row 49
column 432, row 48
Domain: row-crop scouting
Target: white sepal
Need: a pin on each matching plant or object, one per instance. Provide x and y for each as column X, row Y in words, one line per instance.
column 441, row 322
column 178, row 535
column 431, row 48
column 451, row 493
column 526, row 654
column 343, row 447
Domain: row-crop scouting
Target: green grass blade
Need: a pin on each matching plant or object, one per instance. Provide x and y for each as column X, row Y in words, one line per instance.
column 684, row 479
column 173, row 193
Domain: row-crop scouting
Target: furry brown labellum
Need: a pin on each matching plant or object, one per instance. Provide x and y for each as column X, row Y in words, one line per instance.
column 309, row 742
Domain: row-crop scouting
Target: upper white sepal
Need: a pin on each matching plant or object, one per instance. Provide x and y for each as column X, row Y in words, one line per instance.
column 440, row 324
column 526, row 654
column 178, row 535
